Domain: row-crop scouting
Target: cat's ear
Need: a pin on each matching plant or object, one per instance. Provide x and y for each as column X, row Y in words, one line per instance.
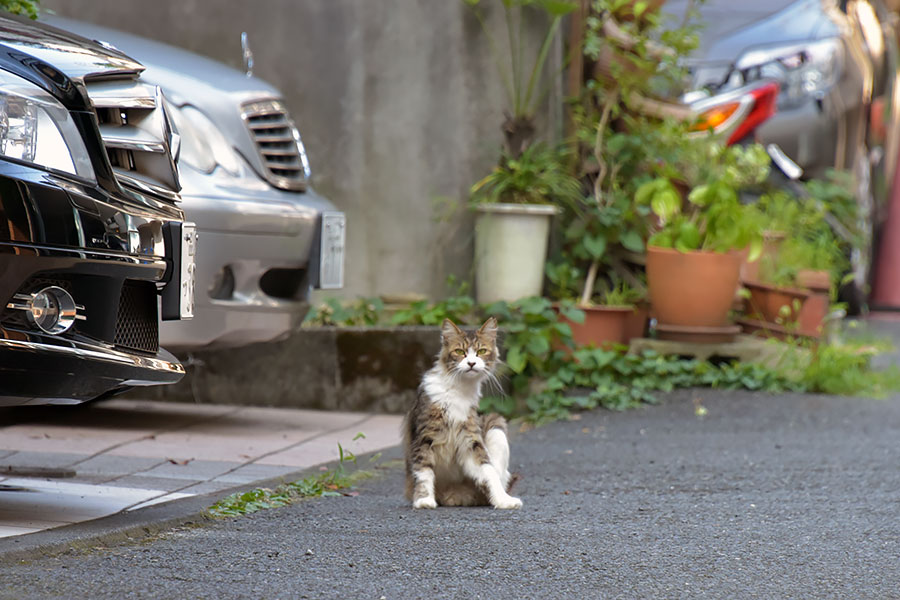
column 489, row 328
column 449, row 329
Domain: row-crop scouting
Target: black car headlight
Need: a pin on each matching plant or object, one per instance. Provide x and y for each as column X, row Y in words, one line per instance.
column 35, row 128
column 803, row 70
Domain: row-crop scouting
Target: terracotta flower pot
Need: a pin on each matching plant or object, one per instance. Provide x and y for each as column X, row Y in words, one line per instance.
column 767, row 301
column 604, row 326
column 812, row 315
column 814, row 279
column 694, row 289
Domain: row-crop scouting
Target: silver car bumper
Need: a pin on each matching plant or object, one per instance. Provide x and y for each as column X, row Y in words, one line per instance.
column 256, row 262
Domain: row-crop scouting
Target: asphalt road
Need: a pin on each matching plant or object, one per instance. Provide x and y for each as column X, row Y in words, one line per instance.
column 764, row 497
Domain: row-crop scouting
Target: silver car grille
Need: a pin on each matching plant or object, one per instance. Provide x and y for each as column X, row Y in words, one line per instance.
column 283, row 157
column 137, row 133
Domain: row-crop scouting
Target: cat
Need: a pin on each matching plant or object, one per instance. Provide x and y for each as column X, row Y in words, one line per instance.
column 455, row 456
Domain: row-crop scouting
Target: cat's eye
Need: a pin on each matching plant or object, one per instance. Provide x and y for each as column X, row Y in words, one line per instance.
column 458, row 352
column 483, row 352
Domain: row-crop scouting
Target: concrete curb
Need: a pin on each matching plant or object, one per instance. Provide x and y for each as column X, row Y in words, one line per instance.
column 371, row 369
column 139, row 524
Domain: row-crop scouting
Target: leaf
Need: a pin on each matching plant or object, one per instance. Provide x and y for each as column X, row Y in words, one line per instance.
column 538, row 345
column 663, row 239
column 666, row 203
column 595, row 245
column 688, row 237
column 631, row 239
column 756, row 248
column 699, row 195
column 557, row 8
column 573, row 314
column 646, row 191
column 516, row 360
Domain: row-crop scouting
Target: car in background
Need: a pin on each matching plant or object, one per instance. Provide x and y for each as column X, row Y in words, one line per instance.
column 91, row 235
column 837, row 107
column 267, row 237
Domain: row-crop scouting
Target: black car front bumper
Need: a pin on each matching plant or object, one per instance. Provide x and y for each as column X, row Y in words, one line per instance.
column 42, row 371
column 110, row 256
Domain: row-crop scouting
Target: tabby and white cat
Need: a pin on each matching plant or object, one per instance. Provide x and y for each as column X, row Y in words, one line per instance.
column 454, row 456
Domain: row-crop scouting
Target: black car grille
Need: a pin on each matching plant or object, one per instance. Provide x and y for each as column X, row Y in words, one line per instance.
column 137, row 327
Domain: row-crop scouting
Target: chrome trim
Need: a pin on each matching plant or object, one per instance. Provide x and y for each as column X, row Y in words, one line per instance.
column 138, row 135
column 148, row 188
column 89, row 352
column 247, row 54
column 81, row 252
column 129, row 139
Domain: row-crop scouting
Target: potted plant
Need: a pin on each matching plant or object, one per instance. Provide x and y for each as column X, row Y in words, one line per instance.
column 695, row 251
column 797, row 283
column 616, row 317
column 515, row 204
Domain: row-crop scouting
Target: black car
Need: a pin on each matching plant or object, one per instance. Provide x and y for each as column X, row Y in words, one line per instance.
column 92, row 243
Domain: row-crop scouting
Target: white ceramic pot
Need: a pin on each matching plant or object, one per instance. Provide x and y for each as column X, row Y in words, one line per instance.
column 510, row 250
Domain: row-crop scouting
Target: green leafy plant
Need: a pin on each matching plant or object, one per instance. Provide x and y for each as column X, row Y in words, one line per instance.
column 335, row 312
column 534, row 336
column 539, row 175
column 713, row 216
column 621, row 294
column 521, row 82
column 459, row 309
column 843, row 368
column 812, row 232
column 28, row 8
column 334, row 482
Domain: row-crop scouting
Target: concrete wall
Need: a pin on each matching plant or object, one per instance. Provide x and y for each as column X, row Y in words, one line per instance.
column 397, row 100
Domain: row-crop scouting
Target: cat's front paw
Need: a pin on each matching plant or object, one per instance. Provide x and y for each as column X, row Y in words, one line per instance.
column 507, row 503
column 426, row 503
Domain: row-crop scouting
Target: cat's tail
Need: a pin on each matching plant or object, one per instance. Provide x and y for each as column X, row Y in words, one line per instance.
column 493, row 421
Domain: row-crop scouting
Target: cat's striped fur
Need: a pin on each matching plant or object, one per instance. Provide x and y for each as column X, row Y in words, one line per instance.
column 454, row 456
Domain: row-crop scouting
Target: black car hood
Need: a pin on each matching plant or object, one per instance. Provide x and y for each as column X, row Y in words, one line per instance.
column 72, row 55
column 730, row 27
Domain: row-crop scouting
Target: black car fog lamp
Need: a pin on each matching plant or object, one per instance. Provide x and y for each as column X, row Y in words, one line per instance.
column 52, row 309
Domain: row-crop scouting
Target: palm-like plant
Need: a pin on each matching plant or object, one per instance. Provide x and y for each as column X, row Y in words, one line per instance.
column 522, row 86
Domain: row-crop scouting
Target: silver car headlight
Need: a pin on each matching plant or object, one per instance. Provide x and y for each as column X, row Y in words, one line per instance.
column 803, row 70
column 203, row 146
column 36, row 128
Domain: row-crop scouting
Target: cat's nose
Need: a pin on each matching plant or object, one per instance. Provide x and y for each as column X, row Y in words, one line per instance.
column 471, row 364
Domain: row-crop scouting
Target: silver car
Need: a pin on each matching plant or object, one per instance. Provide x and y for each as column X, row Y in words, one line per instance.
column 266, row 238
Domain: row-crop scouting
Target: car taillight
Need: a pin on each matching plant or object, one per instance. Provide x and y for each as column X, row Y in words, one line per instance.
column 736, row 114
column 763, row 107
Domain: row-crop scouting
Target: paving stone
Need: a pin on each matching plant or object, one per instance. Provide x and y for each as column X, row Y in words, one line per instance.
column 112, row 466
column 254, row 472
column 194, row 470
column 41, row 459
column 147, row 482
